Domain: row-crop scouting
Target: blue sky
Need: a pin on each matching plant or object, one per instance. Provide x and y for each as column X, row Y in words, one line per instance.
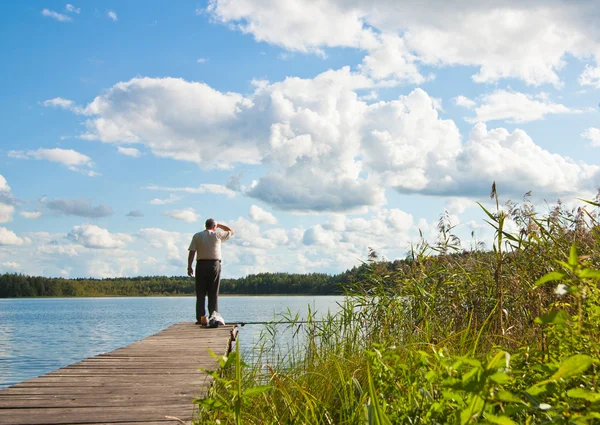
column 315, row 129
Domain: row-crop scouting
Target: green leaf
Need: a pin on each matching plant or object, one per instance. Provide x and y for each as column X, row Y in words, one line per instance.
column 596, row 204
column 472, row 411
column 584, row 394
column 490, row 215
column 573, row 260
column 252, row 391
column 508, row 397
column 573, row 366
column 555, row 317
column 550, row 277
column 534, row 390
column 589, row 274
column 500, row 378
column 499, row 360
column 502, row 420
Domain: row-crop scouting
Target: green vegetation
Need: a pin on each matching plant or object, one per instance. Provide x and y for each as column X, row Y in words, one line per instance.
column 18, row 285
column 510, row 336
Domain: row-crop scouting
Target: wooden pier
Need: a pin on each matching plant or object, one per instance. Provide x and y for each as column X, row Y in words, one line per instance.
column 150, row 382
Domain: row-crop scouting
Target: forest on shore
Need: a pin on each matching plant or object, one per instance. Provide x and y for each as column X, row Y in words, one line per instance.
column 13, row 285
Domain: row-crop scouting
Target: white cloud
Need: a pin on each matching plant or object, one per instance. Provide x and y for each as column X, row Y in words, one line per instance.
column 203, row 188
column 55, row 15
column 261, row 216
column 593, row 135
column 30, row 215
column 590, row 76
column 11, row 265
column 95, row 237
column 73, row 160
column 524, row 40
column 391, row 59
column 6, row 212
column 407, row 142
column 465, row 102
column 132, row 152
column 517, row 107
column 326, row 150
column 79, row 207
column 4, row 187
column 188, row 215
column 111, row 14
column 6, row 201
column 7, row 237
column 166, row 120
column 172, row 198
column 174, row 244
column 72, row 9
column 201, row 60
column 517, row 165
column 295, row 25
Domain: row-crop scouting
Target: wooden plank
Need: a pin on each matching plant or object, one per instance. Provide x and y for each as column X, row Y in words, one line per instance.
column 143, row 383
column 47, row 416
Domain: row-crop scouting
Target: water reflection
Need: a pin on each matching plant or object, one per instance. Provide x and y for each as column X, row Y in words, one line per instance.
column 39, row 335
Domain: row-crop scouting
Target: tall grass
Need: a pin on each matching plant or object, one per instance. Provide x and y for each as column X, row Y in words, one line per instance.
column 505, row 336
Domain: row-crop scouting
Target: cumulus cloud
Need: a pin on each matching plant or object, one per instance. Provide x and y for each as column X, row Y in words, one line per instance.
column 172, row 198
column 391, row 59
column 465, row 102
column 79, row 207
column 261, row 216
column 518, row 164
column 6, row 212
column 111, row 14
column 95, row 237
column 203, row 188
column 326, row 150
column 135, row 213
column 524, row 40
column 55, row 15
column 166, row 120
column 72, row 9
column 593, row 135
column 6, row 201
column 11, row 265
column 7, row 237
column 73, row 160
column 4, row 187
column 59, row 102
column 517, row 107
column 201, row 60
column 173, row 243
column 295, row 25
column 590, row 76
column 188, row 215
column 132, row 152
column 30, row 215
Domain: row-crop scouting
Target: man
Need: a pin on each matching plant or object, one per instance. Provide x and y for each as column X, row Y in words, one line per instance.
column 207, row 244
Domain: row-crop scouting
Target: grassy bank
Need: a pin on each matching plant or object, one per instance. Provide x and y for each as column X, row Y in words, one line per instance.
column 508, row 336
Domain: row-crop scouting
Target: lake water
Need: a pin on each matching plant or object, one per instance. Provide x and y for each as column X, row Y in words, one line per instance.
column 39, row 335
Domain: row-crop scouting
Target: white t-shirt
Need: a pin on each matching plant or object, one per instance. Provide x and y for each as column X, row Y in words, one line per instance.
column 207, row 244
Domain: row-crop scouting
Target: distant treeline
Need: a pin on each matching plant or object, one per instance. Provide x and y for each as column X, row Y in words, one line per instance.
column 14, row 285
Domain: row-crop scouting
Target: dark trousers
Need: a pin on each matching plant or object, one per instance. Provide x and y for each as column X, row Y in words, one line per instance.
column 208, row 279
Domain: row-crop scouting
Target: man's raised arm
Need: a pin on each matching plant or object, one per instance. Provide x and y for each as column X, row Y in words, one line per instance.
column 226, row 228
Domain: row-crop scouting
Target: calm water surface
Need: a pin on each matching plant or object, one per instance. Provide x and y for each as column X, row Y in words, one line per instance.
column 39, row 335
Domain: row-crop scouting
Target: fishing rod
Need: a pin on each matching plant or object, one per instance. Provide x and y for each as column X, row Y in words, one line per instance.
column 276, row 322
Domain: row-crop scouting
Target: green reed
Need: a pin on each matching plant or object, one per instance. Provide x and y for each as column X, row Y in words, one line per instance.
column 507, row 336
